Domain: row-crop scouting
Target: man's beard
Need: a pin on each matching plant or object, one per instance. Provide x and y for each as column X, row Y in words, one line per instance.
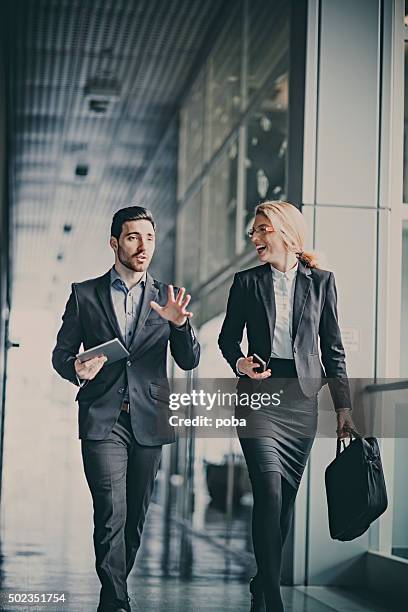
column 131, row 263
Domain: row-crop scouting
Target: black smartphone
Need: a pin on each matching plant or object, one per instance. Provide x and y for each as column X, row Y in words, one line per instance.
column 261, row 362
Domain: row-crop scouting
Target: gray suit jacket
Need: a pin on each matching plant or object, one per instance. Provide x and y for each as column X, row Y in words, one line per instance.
column 251, row 303
column 90, row 319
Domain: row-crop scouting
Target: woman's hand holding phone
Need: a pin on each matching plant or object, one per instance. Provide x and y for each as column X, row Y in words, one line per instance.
column 250, row 365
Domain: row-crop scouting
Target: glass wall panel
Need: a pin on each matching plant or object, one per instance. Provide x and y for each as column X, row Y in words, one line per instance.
column 211, row 305
column 189, row 259
column 251, row 56
column 233, row 148
column 400, row 521
column 209, row 488
column 267, row 146
column 400, row 505
column 224, row 83
column 268, row 40
column 158, row 192
column 219, row 249
column 192, row 135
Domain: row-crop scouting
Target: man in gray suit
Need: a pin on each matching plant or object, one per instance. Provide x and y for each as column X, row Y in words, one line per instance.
column 123, row 406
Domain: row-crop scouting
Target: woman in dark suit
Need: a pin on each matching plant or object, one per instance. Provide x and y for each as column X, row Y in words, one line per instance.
column 287, row 305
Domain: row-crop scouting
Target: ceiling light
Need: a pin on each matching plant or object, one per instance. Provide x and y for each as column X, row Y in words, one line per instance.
column 101, row 94
column 82, row 170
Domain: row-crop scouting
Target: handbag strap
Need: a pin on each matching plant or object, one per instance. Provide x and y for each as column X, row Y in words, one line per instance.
column 352, row 432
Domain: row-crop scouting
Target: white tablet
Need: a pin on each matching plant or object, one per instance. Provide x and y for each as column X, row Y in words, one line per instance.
column 113, row 350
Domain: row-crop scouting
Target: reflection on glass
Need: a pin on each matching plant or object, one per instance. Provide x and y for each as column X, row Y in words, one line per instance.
column 400, row 524
column 221, row 488
column 267, row 146
column 400, row 506
column 158, row 188
column 214, row 109
column 224, row 84
column 268, row 40
column 207, row 234
column 220, row 235
column 221, row 510
column 190, row 226
column 192, row 135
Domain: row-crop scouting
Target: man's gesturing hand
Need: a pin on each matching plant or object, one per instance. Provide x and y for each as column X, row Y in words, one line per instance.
column 247, row 366
column 89, row 369
column 175, row 309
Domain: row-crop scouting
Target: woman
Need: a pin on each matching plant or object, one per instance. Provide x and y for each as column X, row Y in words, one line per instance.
column 286, row 305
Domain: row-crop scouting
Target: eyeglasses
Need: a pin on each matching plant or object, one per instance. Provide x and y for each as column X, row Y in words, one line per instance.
column 261, row 230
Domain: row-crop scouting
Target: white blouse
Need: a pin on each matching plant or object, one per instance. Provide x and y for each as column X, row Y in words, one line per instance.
column 284, row 289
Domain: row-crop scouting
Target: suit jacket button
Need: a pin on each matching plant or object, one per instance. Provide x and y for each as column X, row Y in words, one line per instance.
column 121, row 390
column 129, row 363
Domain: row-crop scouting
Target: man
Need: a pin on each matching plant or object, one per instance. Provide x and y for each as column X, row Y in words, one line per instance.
column 123, row 406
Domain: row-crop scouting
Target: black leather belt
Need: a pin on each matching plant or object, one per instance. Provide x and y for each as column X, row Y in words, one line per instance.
column 125, row 407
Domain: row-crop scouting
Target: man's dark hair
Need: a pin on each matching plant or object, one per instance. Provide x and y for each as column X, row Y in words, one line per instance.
column 130, row 213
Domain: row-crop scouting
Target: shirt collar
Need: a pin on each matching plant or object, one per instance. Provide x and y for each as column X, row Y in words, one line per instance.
column 115, row 278
column 289, row 274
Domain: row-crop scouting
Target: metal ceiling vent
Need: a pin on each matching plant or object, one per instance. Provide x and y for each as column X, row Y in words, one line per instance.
column 101, row 93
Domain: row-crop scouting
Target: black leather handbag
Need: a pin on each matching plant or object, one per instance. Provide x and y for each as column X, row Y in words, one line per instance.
column 355, row 487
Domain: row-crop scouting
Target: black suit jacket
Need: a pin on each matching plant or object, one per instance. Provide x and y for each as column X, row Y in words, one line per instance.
column 251, row 303
column 90, row 319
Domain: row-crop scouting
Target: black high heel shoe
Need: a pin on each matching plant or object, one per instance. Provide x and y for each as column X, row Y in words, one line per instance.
column 257, row 597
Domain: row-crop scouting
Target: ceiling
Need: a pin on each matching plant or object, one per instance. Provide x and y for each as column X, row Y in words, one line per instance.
column 93, row 86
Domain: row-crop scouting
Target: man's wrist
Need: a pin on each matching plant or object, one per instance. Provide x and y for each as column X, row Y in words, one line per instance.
column 81, row 381
column 182, row 326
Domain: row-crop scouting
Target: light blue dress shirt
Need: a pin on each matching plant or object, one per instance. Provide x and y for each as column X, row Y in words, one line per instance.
column 127, row 304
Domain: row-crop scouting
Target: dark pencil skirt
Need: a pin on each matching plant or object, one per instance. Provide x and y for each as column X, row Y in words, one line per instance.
column 278, row 436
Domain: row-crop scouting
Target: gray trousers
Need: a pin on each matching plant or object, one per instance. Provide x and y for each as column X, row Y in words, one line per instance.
column 120, row 474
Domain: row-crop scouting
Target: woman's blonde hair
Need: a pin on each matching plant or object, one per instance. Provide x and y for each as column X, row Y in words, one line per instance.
column 290, row 223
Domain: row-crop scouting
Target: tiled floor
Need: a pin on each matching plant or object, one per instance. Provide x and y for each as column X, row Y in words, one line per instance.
column 46, row 520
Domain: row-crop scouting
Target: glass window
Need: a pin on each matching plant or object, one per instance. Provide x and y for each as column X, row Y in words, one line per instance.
column 220, row 490
column 192, row 136
column 189, row 237
column 267, row 146
column 221, row 217
column 400, row 506
column 224, row 85
column 268, row 43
